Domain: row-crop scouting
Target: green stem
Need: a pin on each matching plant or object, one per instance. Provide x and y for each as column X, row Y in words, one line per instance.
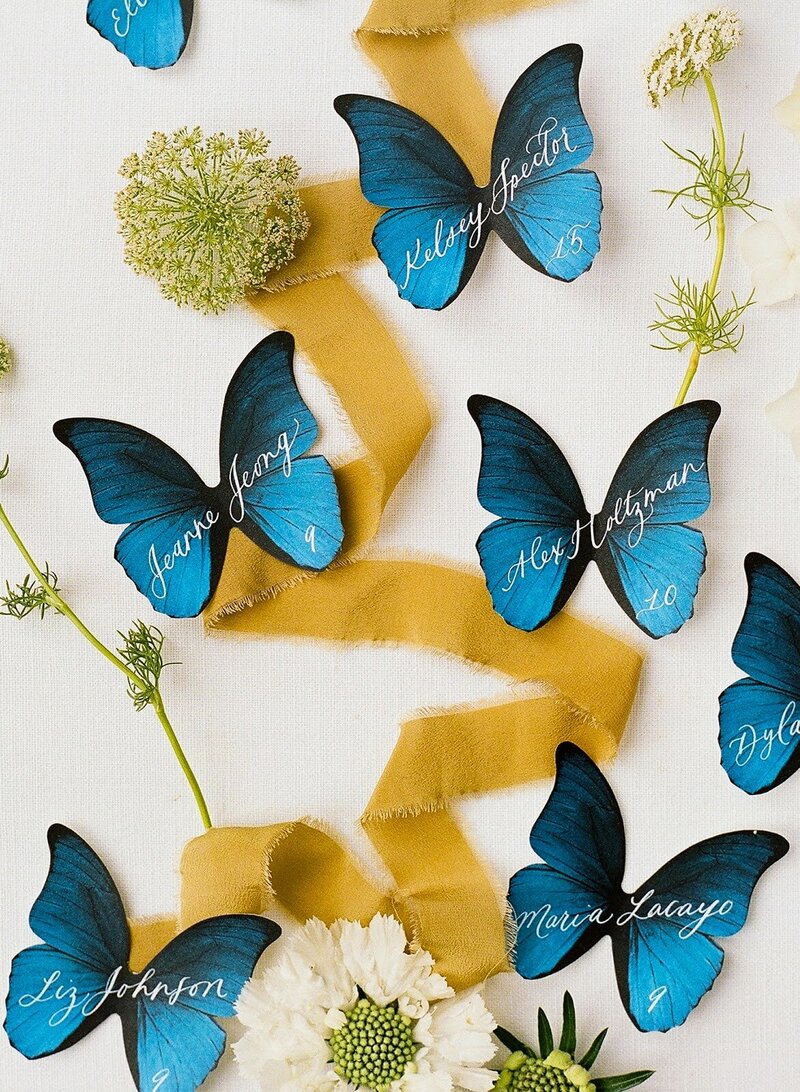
column 719, row 220
column 156, row 701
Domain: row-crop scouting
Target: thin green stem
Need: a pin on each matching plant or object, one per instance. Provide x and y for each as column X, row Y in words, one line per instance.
column 60, row 604
column 719, row 220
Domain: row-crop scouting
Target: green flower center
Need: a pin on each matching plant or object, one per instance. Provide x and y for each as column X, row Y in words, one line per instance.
column 374, row 1046
column 534, row 1075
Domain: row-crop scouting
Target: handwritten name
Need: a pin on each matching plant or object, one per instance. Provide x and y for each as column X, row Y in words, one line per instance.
column 542, row 150
column 751, row 743
column 636, row 508
column 240, row 480
column 545, row 921
column 122, row 19
column 53, row 990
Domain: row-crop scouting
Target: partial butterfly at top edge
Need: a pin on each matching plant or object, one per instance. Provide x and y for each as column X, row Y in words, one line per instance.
column 175, row 545
column 664, row 934
column 150, row 33
column 62, row 989
column 759, row 717
column 438, row 219
column 534, row 555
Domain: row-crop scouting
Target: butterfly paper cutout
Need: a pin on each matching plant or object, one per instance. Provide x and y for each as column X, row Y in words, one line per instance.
column 174, row 547
column 150, row 33
column 534, row 555
column 62, row 989
column 663, row 935
column 759, row 717
column 438, row 219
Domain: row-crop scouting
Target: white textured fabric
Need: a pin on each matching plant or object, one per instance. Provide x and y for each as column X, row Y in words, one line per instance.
column 276, row 729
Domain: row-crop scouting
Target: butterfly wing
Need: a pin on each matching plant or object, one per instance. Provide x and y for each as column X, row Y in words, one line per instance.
column 432, row 234
column 561, row 908
column 759, row 716
column 666, row 956
column 56, row 988
column 172, row 1040
column 651, row 561
column 150, row 33
column 288, row 505
column 533, row 556
column 545, row 210
column 175, row 545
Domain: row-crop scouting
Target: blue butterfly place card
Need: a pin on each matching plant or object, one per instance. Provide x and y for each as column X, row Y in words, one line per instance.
column 150, row 33
column 759, row 717
column 438, row 220
column 664, row 935
column 284, row 501
column 534, row 555
column 62, row 989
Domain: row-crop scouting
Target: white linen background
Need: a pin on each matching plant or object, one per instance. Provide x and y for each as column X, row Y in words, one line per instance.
column 278, row 729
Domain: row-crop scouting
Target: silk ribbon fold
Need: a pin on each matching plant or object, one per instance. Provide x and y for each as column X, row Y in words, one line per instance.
column 587, row 678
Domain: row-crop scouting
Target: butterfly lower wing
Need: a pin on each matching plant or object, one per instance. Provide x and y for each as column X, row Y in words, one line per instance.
column 80, row 916
column 150, row 33
column 296, row 516
column 533, row 556
column 666, row 957
column 432, row 235
column 137, row 479
column 176, row 560
column 553, row 920
column 650, row 560
column 172, row 1040
column 554, row 225
column 759, row 735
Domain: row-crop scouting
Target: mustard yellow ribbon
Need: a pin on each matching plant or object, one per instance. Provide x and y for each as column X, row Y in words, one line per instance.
column 442, row 891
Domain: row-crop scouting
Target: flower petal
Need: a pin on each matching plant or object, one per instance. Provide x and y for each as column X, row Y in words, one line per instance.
column 774, row 282
column 763, row 242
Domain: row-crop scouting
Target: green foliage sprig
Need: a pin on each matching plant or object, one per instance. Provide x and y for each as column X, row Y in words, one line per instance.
column 555, row 1067
column 693, row 315
column 139, row 656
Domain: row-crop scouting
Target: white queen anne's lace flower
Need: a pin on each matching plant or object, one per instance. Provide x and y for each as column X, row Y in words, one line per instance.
column 350, row 1009
column 691, row 49
column 772, row 250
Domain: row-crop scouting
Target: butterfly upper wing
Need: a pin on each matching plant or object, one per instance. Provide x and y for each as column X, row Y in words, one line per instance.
column 667, row 962
column 526, row 481
column 80, row 917
column 285, row 503
column 547, row 212
column 650, row 560
column 408, row 168
column 172, row 1040
column 137, row 479
column 760, row 716
column 154, row 36
column 580, row 837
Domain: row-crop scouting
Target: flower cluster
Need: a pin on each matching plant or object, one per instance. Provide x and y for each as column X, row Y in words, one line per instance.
column 6, row 358
column 690, row 50
column 555, row 1069
column 209, row 218
column 350, row 1009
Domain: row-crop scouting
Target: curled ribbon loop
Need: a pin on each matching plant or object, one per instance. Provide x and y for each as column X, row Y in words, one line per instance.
column 442, row 892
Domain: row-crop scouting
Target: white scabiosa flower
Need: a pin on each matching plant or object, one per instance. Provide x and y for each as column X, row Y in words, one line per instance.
column 350, row 1009
column 772, row 250
column 689, row 50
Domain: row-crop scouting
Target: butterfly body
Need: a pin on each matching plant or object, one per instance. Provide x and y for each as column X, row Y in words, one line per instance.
column 150, row 33
column 438, row 219
column 534, row 555
column 62, row 989
column 664, row 934
column 759, row 715
column 174, row 546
